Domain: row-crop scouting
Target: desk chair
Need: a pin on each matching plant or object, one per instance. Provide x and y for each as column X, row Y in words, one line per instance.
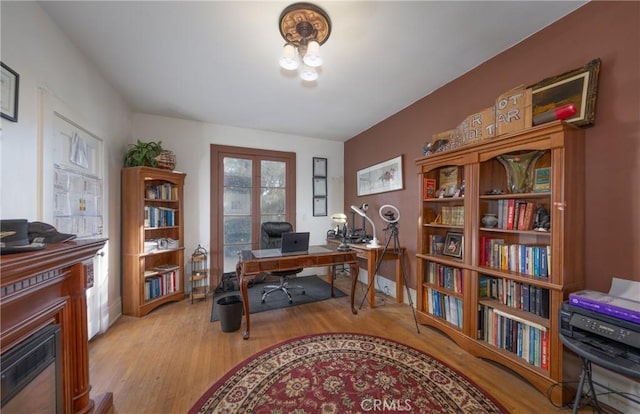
column 271, row 238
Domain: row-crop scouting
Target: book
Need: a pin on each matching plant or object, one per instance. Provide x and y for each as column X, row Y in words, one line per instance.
column 529, row 216
column 511, row 208
column 607, row 304
column 542, row 180
column 429, row 188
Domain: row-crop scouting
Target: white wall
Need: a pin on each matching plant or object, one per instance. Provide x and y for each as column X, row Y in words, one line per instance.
column 45, row 59
column 191, row 141
column 34, row 47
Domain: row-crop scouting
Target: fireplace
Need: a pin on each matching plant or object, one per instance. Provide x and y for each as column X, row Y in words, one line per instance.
column 43, row 330
column 31, row 379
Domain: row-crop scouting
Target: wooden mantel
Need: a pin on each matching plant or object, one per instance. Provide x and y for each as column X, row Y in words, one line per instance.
column 49, row 286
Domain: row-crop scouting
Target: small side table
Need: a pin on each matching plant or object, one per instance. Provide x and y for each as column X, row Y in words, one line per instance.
column 587, row 357
column 199, row 278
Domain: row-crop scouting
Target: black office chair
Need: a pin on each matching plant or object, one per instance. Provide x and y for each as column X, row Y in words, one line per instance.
column 271, row 238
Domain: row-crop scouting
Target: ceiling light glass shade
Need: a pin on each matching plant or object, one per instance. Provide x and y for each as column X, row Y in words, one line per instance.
column 289, row 60
column 312, row 57
column 308, row 73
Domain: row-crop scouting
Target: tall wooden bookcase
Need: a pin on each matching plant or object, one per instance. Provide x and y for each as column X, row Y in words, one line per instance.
column 152, row 238
column 492, row 296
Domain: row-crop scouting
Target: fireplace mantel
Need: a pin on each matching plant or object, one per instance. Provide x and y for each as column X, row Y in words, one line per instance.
column 49, row 287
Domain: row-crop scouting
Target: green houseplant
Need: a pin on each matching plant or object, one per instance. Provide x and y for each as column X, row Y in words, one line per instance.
column 143, row 153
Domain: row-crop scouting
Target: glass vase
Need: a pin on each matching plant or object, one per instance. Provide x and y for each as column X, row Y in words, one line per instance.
column 519, row 168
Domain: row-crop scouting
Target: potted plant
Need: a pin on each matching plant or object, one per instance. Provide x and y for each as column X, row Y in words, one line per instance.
column 143, row 154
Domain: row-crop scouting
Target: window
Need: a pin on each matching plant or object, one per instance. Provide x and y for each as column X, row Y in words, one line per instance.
column 248, row 187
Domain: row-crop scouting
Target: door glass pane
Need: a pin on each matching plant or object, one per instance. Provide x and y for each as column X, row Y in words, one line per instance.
column 237, row 172
column 237, row 201
column 272, row 190
column 273, row 173
column 272, row 201
column 237, row 229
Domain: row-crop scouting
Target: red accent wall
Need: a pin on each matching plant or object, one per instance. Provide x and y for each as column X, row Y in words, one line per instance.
column 606, row 30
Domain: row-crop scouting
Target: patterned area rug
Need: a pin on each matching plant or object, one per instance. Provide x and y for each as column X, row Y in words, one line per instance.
column 344, row 373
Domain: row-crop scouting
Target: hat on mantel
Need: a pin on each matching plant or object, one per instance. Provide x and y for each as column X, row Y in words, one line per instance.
column 46, row 233
column 14, row 237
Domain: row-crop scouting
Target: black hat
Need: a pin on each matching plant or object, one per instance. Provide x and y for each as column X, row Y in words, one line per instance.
column 46, row 233
column 14, row 237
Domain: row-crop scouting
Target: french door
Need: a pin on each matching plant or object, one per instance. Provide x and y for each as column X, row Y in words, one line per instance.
column 248, row 187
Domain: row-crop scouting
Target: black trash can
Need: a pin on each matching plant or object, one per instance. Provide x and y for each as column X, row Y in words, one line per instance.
column 230, row 310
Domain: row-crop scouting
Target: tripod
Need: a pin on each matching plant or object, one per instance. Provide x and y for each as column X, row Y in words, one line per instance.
column 392, row 233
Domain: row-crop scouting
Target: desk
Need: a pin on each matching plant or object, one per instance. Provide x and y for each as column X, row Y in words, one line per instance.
column 249, row 267
column 372, row 255
column 587, row 356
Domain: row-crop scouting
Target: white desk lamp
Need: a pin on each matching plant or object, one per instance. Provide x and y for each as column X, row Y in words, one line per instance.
column 374, row 241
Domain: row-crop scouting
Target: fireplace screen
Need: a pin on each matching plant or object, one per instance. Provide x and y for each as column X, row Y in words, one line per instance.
column 31, row 374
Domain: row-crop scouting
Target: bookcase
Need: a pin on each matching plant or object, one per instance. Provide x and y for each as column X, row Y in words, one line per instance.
column 152, row 238
column 495, row 286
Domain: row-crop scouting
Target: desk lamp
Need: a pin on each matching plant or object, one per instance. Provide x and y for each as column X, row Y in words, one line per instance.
column 341, row 219
column 374, row 241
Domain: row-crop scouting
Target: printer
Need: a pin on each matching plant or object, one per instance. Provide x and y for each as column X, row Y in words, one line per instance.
column 605, row 328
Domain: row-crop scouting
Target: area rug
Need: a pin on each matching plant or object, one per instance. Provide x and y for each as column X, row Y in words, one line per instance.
column 344, row 373
column 315, row 289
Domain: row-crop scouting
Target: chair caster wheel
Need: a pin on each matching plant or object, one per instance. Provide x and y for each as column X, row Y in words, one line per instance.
column 303, row 292
column 262, row 301
column 290, row 302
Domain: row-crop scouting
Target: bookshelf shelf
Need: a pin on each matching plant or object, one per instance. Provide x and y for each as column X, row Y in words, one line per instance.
column 152, row 238
column 535, row 270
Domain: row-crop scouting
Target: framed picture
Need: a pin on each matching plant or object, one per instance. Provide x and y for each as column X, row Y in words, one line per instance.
column 542, row 181
column 379, row 178
column 319, row 206
column 319, row 167
column 453, row 244
column 578, row 87
column 319, row 187
column 449, row 181
column 10, row 82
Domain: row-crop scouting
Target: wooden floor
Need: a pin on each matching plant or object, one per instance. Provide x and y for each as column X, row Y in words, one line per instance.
column 164, row 362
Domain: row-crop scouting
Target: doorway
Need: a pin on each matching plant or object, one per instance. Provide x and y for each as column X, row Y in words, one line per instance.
column 248, row 187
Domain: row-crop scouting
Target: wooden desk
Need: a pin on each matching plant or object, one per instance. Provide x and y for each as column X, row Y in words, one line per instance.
column 372, row 255
column 249, row 267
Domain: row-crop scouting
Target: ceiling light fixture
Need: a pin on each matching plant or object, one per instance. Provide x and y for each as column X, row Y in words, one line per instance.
column 304, row 27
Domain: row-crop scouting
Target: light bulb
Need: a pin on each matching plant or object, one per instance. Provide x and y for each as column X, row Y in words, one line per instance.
column 312, row 57
column 289, row 60
column 308, row 73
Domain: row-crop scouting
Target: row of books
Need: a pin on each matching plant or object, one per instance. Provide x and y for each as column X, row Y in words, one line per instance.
column 522, row 296
column 532, row 260
column 159, row 216
column 444, row 276
column 516, row 214
column 525, row 339
column 165, row 191
column 445, row 307
column 452, row 215
column 161, row 281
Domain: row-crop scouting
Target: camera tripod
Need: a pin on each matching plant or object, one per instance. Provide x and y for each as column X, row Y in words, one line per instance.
column 392, row 233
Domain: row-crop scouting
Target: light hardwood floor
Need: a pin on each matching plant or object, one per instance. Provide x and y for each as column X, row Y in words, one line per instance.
column 164, row 362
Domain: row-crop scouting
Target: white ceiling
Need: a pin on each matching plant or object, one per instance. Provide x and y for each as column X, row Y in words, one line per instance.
column 217, row 61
